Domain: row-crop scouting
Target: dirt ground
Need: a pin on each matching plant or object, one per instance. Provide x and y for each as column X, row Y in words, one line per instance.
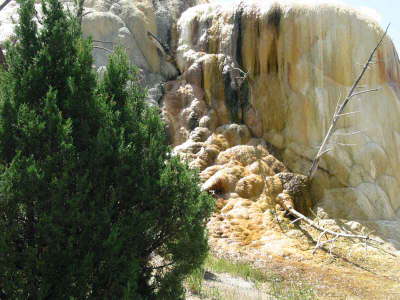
column 347, row 270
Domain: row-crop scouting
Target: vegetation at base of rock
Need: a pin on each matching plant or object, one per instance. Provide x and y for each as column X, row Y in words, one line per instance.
column 270, row 283
column 90, row 200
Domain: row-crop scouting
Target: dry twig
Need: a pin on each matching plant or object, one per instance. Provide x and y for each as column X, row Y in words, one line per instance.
column 335, row 235
column 4, row 4
column 79, row 12
column 102, row 48
column 366, row 239
column 340, row 108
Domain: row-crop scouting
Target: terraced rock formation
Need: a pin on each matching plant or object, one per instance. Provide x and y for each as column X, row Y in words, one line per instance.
column 247, row 91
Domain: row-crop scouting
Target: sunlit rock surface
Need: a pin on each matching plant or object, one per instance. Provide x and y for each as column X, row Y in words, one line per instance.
column 146, row 28
column 242, row 84
column 138, row 26
column 246, row 181
column 299, row 60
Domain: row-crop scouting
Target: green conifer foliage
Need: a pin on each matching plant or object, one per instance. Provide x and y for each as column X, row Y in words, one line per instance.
column 91, row 204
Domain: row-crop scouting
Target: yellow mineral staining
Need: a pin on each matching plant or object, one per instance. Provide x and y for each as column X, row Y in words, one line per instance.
column 244, row 154
column 274, row 185
column 285, row 200
column 250, row 186
column 224, row 181
column 214, row 85
column 209, row 153
column 299, row 60
column 243, row 179
column 210, row 171
column 219, row 141
column 235, row 134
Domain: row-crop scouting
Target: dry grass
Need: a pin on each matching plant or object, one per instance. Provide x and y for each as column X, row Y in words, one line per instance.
column 266, row 285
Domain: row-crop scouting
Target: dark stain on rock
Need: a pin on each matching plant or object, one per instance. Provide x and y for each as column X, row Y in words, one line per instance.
column 231, row 97
column 297, row 186
column 236, row 95
column 274, row 17
column 272, row 63
column 237, row 37
column 195, row 31
column 193, row 122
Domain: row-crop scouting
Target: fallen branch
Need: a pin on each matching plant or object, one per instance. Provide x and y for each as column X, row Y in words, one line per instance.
column 340, row 108
column 331, row 232
column 164, row 49
column 286, row 202
column 102, row 48
column 104, row 42
column 366, row 239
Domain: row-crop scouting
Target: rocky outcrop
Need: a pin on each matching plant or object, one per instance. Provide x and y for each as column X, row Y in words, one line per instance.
column 279, row 68
column 146, row 28
column 242, row 84
column 246, row 181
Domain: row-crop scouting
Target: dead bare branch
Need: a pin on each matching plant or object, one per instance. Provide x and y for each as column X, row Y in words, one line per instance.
column 79, row 11
column 344, row 144
column 102, row 48
column 335, row 235
column 327, row 150
column 350, row 113
column 37, row 18
column 4, row 4
column 364, row 92
column 86, row 13
column 348, row 133
column 339, row 111
column 296, row 220
column 164, row 49
column 104, row 42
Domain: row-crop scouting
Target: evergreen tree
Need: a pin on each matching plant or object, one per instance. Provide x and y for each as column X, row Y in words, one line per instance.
column 90, row 200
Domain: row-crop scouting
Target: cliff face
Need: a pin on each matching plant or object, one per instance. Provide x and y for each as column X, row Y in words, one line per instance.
column 147, row 28
column 279, row 68
column 241, row 84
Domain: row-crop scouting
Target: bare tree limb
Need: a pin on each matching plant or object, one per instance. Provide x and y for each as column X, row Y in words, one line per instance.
column 79, row 11
column 366, row 239
column 162, row 266
column 104, row 42
column 339, row 111
column 349, row 133
column 86, row 13
column 363, row 92
column 349, row 113
column 102, row 48
column 160, row 46
column 344, row 144
column 4, row 4
column 335, row 235
column 296, row 220
column 325, row 151
column 37, row 17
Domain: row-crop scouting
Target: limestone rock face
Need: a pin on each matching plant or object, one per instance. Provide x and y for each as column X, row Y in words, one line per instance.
column 146, row 28
column 246, row 180
column 240, row 83
column 279, row 68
